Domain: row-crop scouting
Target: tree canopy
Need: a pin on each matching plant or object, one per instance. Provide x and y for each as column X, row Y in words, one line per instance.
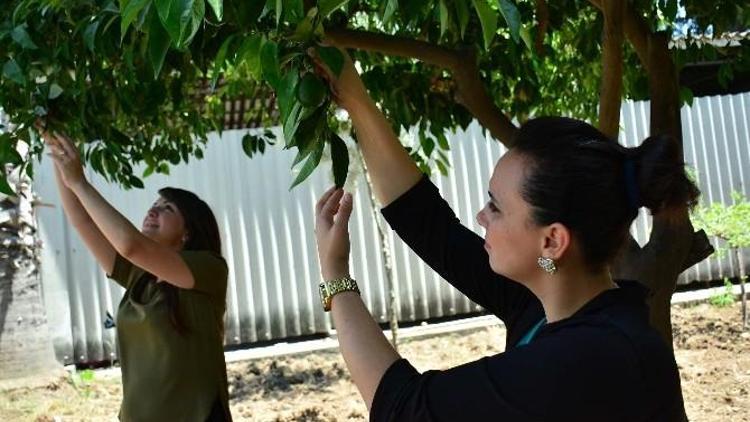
column 145, row 81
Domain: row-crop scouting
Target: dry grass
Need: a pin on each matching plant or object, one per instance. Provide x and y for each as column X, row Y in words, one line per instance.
column 712, row 351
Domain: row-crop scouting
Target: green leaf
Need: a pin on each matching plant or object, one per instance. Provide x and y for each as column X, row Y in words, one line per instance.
column 286, row 93
column 89, row 35
column 510, row 12
column 12, row 71
column 158, row 45
column 135, row 182
column 248, row 144
column 249, row 53
column 390, row 9
column 181, row 19
column 279, row 10
column 304, row 31
column 309, row 131
column 21, row 36
column 670, row 9
column 326, row 7
column 4, row 186
column 443, row 18
column 442, row 167
column 129, row 10
column 686, row 95
column 148, row 171
column 269, row 61
column 442, row 140
column 294, row 11
column 339, row 160
column 54, row 91
column 292, row 123
column 462, row 11
column 221, row 57
column 526, row 37
column 488, row 20
column 332, row 57
column 8, row 153
column 312, row 162
column 218, row 8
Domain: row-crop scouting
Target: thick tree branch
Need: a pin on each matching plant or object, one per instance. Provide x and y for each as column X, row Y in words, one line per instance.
column 472, row 92
column 664, row 89
column 700, row 249
column 610, row 97
column 635, row 29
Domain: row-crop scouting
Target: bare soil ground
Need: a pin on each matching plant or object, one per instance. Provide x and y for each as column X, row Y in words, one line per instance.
column 712, row 351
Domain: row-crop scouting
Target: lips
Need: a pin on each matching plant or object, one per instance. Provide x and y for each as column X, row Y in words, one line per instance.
column 150, row 225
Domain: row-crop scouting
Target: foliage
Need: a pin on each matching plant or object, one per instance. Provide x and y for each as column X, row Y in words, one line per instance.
column 725, row 298
column 144, row 81
column 727, row 222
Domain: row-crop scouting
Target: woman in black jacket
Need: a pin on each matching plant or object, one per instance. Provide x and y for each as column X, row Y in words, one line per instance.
column 560, row 203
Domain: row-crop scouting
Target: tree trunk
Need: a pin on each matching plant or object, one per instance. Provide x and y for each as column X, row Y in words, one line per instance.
column 25, row 343
column 610, row 98
column 740, row 262
column 672, row 246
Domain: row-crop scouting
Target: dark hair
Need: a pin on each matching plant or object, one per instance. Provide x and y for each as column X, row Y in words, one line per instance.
column 202, row 235
column 594, row 186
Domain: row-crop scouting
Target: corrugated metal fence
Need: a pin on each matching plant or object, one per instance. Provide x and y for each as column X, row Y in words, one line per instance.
column 268, row 231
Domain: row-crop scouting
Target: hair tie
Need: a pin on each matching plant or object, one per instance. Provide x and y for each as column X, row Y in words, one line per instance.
column 631, row 184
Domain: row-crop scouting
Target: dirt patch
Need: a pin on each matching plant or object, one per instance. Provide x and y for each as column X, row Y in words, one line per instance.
column 713, row 354
column 712, row 351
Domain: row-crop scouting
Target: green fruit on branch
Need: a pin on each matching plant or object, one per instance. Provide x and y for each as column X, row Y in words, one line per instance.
column 311, row 91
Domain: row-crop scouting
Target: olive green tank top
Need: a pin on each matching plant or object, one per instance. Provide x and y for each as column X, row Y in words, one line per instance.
column 168, row 376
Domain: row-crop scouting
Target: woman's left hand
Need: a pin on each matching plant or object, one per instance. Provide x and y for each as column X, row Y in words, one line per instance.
column 332, row 233
column 66, row 158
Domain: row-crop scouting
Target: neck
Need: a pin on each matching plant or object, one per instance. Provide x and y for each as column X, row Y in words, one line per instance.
column 563, row 294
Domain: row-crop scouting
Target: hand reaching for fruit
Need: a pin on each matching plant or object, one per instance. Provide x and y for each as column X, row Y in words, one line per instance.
column 347, row 88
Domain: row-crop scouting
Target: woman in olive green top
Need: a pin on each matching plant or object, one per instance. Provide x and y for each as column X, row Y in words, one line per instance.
column 170, row 320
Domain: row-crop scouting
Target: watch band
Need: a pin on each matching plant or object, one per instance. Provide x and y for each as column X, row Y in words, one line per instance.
column 330, row 288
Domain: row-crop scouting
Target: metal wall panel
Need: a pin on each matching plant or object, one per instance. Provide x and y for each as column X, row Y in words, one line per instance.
column 268, row 231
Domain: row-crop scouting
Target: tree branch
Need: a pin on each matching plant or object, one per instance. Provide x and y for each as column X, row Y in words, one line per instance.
column 610, row 97
column 635, row 28
column 542, row 17
column 700, row 249
column 472, row 92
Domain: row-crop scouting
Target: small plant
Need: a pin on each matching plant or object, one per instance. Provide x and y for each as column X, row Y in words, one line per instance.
column 725, row 298
column 83, row 381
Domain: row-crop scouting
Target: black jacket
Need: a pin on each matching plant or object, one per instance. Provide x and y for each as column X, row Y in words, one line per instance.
column 604, row 363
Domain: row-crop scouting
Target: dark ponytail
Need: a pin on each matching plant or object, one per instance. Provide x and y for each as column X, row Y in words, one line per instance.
column 594, row 186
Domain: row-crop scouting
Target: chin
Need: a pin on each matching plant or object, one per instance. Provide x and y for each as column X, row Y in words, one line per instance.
column 149, row 233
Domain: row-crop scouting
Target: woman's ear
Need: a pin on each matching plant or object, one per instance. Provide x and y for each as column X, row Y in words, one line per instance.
column 556, row 241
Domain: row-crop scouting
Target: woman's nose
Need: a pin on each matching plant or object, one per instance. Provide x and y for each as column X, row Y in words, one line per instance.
column 153, row 212
column 480, row 218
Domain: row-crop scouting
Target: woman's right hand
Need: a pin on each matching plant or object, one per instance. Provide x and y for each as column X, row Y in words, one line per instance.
column 347, row 89
column 65, row 156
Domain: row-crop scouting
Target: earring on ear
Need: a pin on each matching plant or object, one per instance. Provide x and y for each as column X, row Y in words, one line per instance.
column 547, row 264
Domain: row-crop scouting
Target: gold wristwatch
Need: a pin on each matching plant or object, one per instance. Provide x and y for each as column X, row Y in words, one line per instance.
column 330, row 288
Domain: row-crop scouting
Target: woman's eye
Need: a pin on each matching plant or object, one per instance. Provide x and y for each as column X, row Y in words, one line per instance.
column 492, row 207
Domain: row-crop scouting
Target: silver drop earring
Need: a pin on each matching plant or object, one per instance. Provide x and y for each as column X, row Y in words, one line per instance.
column 547, row 264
